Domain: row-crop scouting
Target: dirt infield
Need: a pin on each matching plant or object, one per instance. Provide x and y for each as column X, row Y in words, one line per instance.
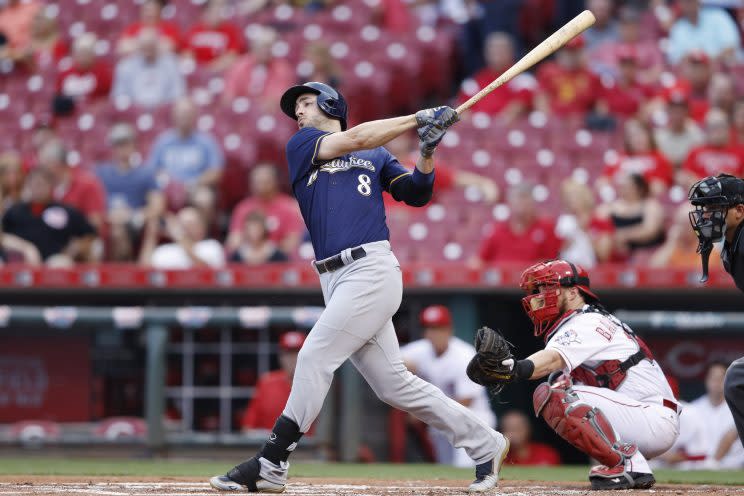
column 149, row 486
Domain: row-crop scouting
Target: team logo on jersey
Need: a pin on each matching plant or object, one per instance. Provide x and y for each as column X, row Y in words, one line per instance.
column 339, row 165
column 567, row 337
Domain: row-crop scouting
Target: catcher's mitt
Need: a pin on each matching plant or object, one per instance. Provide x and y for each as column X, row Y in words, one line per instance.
column 486, row 367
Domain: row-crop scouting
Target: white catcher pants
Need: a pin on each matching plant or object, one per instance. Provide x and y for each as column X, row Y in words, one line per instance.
column 356, row 324
column 650, row 426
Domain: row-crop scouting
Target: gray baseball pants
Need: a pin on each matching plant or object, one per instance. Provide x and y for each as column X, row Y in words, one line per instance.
column 361, row 298
column 733, row 389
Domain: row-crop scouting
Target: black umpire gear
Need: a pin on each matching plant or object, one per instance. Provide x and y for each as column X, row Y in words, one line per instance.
column 712, row 198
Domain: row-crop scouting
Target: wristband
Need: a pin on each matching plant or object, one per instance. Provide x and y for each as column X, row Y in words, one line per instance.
column 523, row 369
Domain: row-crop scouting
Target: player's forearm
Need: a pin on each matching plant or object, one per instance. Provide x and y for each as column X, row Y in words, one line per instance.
column 377, row 133
column 415, row 189
column 725, row 444
column 545, row 362
column 425, row 164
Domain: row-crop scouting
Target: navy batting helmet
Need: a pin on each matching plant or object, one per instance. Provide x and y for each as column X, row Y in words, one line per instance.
column 330, row 101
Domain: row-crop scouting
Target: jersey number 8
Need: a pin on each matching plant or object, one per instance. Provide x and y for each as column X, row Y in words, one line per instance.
column 365, row 185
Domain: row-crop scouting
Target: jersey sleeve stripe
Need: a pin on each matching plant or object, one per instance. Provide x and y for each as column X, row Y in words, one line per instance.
column 317, row 146
column 398, row 177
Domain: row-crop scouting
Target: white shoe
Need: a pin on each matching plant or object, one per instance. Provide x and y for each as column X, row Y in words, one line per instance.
column 224, row 483
column 486, row 478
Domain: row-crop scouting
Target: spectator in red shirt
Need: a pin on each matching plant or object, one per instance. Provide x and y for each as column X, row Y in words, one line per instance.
column 45, row 47
column 722, row 93
column 515, row 425
column 624, row 95
column 282, row 215
column 16, row 18
column 272, row 389
column 74, row 186
column 640, row 157
column 214, row 40
column 648, row 55
column 513, row 99
column 258, row 74
column 695, row 76
column 567, row 87
column 150, row 16
column 525, row 237
column 89, row 77
column 717, row 156
column 737, row 123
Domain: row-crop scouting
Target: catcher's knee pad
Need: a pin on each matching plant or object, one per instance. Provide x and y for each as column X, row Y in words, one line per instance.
column 582, row 425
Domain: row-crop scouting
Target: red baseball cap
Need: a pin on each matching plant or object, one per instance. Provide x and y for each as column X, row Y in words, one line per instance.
column 291, row 341
column 576, row 42
column 436, row 316
column 699, row 56
column 627, row 53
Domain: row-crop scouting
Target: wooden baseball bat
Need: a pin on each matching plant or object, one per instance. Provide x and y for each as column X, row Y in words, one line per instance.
column 572, row 28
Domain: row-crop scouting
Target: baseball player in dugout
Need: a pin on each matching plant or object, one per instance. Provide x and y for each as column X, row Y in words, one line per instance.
column 338, row 177
column 605, row 394
column 719, row 215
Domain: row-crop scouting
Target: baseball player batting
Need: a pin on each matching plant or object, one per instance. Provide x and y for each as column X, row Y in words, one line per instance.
column 338, row 177
column 605, row 393
column 719, row 215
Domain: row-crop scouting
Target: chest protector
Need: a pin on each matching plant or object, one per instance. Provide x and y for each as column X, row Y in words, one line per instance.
column 612, row 373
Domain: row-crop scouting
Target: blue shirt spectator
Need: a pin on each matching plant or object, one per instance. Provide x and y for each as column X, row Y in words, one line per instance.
column 185, row 155
column 709, row 29
column 148, row 78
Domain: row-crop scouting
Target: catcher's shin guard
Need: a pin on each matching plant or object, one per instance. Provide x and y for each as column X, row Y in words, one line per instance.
column 582, row 425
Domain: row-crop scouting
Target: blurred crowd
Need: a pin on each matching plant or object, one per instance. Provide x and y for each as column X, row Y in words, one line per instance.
column 150, row 132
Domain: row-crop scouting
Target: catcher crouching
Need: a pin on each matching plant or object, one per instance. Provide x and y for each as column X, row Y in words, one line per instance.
column 605, row 393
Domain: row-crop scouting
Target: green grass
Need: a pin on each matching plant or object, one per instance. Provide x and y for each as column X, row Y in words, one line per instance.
column 382, row 471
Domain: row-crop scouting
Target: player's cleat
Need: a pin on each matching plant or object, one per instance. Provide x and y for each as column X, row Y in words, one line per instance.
column 604, row 478
column 486, row 478
column 225, row 483
column 245, row 477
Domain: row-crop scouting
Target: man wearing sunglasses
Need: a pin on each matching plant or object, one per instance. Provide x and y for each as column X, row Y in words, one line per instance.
column 719, row 215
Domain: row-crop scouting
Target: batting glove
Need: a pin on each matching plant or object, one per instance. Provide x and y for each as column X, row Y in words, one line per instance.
column 430, row 136
column 442, row 117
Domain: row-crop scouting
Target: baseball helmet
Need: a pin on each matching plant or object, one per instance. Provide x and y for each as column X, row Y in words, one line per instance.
column 435, row 316
column 330, row 101
column 542, row 283
column 712, row 197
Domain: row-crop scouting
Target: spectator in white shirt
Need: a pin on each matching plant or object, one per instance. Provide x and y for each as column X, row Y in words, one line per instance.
column 441, row 359
column 149, row 77
column 190, row 247
column 724, row 451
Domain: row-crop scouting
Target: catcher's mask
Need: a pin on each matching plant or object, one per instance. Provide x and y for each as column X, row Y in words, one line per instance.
column 712, row 198
column 542, row 282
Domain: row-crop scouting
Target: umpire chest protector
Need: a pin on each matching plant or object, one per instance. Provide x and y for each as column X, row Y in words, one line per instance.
column 732, row 256
column 609, row 373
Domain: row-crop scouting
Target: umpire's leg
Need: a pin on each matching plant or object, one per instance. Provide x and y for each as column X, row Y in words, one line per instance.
column 733, row 389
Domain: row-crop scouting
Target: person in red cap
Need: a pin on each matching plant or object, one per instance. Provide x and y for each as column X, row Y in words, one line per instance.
column 718, row 155
column 624, row 95
column 440, row 358
column 272, row 389
column 567, row 87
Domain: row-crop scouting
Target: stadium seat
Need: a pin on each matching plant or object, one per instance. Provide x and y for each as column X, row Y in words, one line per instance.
column 121, row 429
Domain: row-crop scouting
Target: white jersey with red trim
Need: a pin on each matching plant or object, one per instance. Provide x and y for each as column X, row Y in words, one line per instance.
column 589, row 338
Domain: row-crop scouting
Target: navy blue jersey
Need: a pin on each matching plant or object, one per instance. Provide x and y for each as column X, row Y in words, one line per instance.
column 341, row 199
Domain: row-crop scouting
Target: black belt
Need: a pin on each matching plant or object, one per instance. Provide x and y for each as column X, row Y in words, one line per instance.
column 336, row 262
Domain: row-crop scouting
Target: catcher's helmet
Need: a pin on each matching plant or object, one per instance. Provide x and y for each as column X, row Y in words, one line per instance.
column 330, row 101
column 712, row 197
column 542, row 283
